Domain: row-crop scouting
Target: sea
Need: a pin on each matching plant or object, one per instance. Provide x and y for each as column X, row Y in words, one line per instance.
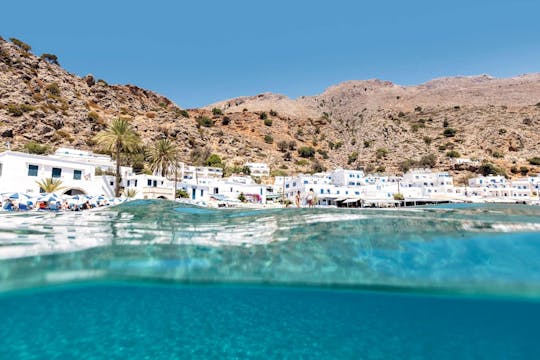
column 155, row 279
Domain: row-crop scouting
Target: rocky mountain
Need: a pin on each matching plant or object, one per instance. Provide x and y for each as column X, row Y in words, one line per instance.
column 373, row 124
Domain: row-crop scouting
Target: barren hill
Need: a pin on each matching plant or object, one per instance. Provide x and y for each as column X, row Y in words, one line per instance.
column 372, row 124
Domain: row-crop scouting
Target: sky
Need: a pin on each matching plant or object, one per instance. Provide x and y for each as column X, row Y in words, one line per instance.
column 199, row 52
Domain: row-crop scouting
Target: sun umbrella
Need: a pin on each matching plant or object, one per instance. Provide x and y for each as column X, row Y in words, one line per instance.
column 17, row 196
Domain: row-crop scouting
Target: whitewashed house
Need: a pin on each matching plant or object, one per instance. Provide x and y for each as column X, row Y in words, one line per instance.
column 150, row 187
column 19, row 172
column 204, row 188
column 258, row 169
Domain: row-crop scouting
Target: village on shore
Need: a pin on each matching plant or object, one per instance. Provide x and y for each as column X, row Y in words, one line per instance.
column 90, row 179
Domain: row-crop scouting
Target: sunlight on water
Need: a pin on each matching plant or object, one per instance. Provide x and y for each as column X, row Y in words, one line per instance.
column 464, row 248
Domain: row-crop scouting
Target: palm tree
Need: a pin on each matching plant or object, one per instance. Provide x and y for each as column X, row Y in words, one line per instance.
column 50, row 185
column 130, row 193
column 117, row 138
column 161, row 156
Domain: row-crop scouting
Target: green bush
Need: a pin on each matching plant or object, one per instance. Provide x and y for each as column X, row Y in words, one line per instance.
column 20, row 44
column 183, row 113
column 33, row 147
column 292, row 145
column 263, row 116
column 205, row 121
column 381, row 152
column 453, row 154
column 449, row 132
column 428, row 160
column 268, row 139
column 306, row 152
column 427, row 140
column 534, row 161
column 268, row 122
column 19, row 109
column 53, row 89
column 273, row 113
column 181, row 193
column 282, row 145
column 352, row 158
column 490, row 169
column 217, row 111
column 214, row 160
column 497, row 155
column 323, row 153
column 338, row 145
column 226, row 120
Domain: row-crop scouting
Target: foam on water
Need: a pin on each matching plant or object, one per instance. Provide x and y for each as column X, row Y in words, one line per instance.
column 490, row 249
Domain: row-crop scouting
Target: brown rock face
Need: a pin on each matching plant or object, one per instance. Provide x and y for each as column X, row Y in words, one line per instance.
column 372, row 124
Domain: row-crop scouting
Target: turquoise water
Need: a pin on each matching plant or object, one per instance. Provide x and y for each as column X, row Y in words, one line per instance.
column 158, row 280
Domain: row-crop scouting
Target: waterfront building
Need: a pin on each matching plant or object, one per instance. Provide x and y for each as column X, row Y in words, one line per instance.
column 258, row 169
column 19, row 172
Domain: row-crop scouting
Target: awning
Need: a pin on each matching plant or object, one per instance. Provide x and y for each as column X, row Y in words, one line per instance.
column 348, row 201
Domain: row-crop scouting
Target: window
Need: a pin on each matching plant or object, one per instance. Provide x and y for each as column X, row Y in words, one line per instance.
column 32, row 170
column 77, row 174
column 56, row 172
column 149, row 182
column 155, row 183
column 128, row 183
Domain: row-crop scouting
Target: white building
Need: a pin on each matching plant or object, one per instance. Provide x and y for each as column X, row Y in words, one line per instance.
column 194, row 172
column 150, row 187
column 343, row 177
column 19, row 172
column 231, row 188
column 258, row 169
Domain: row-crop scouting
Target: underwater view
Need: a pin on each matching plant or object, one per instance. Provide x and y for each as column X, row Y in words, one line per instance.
column 161, row 280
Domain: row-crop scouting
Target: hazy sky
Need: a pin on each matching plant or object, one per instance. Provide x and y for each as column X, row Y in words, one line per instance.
column 199, row 52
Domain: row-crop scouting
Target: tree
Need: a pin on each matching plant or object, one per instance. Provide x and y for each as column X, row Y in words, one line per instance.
column 117, row 138
column 161, row 155
column 50, row 58
column 214, row 160
column 50, row 185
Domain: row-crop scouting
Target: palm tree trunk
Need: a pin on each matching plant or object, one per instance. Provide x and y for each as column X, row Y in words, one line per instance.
column 117, row 182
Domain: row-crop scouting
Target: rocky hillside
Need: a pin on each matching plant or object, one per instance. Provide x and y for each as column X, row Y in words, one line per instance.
column 375, row 125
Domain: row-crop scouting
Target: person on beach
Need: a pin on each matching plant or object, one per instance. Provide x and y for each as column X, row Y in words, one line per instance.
column 297, row 199
column 310, row 198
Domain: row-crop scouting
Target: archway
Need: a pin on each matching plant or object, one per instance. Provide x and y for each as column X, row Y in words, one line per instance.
column 75, row 191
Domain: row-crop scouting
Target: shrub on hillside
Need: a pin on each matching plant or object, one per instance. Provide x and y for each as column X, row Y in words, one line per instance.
column 263, row 116
column 268, row 122
column 453, row 154
column 282, row 145
column 352, row 158
column 217, row 111
column 449, row 132
column 20, row 44
column 428, row 160
column 306, row 152
column 381, row 152
column 534, row 161
column 53, row 89
column 33, row 147
column 273, row 113
column 205, row 121
column 490, row 169
column 268, row 139
column 226, row 120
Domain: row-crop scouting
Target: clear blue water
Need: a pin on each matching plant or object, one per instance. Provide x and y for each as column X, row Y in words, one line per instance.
column 153, row 280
